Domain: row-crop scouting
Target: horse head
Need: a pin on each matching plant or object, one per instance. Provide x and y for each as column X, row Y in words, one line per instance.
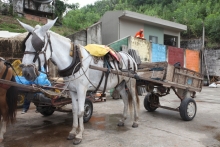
column 36, row 49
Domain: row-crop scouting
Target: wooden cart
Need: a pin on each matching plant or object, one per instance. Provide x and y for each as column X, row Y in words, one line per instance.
column 158, row 78
column 51, row 101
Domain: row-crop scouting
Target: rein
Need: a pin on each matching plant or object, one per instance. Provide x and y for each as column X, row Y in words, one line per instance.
column 7, row 66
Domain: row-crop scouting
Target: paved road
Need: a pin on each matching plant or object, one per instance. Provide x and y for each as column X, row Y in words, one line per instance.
column 161, row 128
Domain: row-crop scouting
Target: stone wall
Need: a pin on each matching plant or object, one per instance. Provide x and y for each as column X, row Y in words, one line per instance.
column 212, row 61
column 194, row 44
column 42, row 20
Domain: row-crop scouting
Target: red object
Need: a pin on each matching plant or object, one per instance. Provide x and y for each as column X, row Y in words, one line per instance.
column 175, row 55
column 140, row 34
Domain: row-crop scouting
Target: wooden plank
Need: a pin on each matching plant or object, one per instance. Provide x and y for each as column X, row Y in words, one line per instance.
column 195, row 77
column 156, row 82
column 151, row 65
column 21, row 87
column 152, row 74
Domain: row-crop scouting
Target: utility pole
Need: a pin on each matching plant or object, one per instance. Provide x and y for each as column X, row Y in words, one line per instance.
column 203, row 53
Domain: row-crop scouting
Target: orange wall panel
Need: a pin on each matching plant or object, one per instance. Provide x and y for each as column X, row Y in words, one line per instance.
column 192, row 60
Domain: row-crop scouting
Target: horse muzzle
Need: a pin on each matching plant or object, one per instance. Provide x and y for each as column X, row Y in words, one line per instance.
column 29, row 72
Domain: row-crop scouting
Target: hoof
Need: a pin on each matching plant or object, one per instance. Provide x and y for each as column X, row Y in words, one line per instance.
column 135, row 125
column 120, row 124
column 77, row 141
column 71, row 137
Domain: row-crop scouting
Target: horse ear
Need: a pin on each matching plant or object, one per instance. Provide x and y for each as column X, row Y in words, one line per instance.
column 49, row 25
column 26, row 27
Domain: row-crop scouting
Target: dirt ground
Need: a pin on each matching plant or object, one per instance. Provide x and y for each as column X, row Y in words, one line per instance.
column 161, row 128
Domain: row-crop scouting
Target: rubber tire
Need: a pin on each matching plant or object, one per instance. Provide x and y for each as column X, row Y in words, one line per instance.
column 46, row 110
column 183, row 109
column 88, row 110
column 147, row 103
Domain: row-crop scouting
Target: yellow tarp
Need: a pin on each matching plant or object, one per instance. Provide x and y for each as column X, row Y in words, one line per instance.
column 97, row 50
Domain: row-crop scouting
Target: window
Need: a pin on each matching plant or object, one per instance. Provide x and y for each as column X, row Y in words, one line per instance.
column 153, row 39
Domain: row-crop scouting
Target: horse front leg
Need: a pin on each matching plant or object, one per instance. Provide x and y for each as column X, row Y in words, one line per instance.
column 73, row 132
column 81, row 94
column 2, row 130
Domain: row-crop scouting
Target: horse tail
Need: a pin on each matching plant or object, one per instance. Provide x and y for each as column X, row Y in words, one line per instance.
column 129, row 98
column 11, row 98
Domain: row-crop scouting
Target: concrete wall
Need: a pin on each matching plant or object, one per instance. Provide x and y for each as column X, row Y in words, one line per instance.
column 142, row 46
column 94, row 35
column 129, row 28
column 175, row 55
column 213, row 62
column 79, row 37
column 154, row 31
column 110, row 27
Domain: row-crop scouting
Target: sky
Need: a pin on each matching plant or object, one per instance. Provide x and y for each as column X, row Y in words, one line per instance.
column 82, row 2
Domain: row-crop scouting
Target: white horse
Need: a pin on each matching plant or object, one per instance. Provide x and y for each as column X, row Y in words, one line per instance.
column 39, row 49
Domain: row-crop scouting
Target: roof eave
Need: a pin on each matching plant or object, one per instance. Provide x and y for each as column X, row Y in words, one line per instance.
column 153, row 21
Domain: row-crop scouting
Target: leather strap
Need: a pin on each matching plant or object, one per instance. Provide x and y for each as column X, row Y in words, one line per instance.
column 5, row 73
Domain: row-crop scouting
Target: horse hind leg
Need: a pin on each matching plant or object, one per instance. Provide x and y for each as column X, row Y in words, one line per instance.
column 121, row 89
column 135, row 100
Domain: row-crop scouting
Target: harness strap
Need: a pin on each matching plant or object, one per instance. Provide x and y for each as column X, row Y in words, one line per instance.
column 116, row 70
column 97, row 88
column 5, row 73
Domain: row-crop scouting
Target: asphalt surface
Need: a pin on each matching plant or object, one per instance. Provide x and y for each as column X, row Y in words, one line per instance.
column 161, row 128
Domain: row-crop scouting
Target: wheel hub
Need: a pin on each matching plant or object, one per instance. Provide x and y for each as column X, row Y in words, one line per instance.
column 191, row 109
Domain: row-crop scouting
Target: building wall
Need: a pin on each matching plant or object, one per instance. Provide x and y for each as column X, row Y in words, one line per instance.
column 129, row 28
column 158, row 53
column 79, row 37
column 192, row 60
column 110, row 27
column 175, row 55
column 143, row 48
column 94, row 34
column 173, row 33
column 154, row 31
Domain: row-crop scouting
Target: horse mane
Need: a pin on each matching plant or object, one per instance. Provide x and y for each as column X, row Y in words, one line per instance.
column 59, row 36
column 23, row 46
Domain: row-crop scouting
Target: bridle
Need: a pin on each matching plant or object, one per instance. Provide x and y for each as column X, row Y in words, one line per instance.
column 38, row 45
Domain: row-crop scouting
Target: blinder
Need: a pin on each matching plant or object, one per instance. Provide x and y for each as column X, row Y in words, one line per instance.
column 38, row 45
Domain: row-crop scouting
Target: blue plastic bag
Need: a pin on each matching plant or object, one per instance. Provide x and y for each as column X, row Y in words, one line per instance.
column 40, row 80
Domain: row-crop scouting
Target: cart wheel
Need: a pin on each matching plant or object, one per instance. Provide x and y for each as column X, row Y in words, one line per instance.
column 20, row 101
column 150, row 98
column 46, row 110
column 88, row 109
column 187, row 109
